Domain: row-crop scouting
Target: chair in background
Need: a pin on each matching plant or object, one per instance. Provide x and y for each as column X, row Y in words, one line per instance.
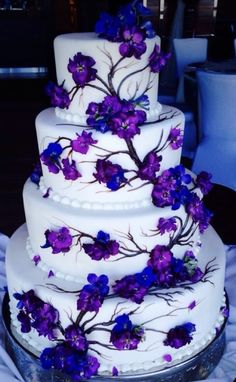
column 216, row 152
column 187, row 51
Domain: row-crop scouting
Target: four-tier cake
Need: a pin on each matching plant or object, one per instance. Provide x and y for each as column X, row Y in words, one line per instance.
column 116, row 269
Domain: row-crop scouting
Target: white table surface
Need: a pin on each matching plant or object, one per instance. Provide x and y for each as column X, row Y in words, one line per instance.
column 224, row 372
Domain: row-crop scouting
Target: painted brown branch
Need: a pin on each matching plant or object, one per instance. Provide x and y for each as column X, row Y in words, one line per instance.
column 128, row 76
column 133, row 153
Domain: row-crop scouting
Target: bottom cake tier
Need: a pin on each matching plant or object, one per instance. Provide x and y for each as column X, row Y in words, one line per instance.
column 117, row 335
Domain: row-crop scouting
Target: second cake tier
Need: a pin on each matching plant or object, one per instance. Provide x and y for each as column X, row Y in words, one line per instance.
column 71, row 242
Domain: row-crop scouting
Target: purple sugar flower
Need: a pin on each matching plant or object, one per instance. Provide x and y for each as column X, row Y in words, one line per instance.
column 150, row 166
column 110, row 174
column 167, row 357
column 132, row 42
column 36, row 174
column 90, row 366
column 149, row 29
column 108, row 27
column 51, row 274
column 146, row 278
column 142, row 101
column 69, row 169
column 92, row 295
column 192, row 305
column 129, row 15
column 196, row 209
column 45, row 320
column 178, row 271
column 36, row 259
column 181, row 196
column 167, row 225
column 128, row 287
column 50, row 157
column 28, row 301
column 115, row 372
column 82, row 69
column 100, row 114
column 126, row 123
column 24, row 319
column 102, row 248
column 125, row 335
column 203, row 181
column 59, row 241
column 180, row 335
column 35, row 313
column 160, row 258
column 82, row 142
column 58, row 95
column 175, row 138
column 135, row 287
column 75, row 338
column 47, row 358
column 169, row 188
column 68, row 360
column 180, row 175
column 161, row 193
column 157, row 59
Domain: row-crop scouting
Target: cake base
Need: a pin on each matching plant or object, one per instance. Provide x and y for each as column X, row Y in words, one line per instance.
column 196, row 368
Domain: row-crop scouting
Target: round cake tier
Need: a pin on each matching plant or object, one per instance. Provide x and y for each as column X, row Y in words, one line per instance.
column 199, row 304
column 85, row 166
column 128, row 77
column 73, row 241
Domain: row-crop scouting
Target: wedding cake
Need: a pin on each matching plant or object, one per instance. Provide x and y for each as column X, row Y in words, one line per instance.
column 116, row 269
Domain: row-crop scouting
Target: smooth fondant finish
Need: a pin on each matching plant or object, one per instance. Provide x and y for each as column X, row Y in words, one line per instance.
column 161, row 312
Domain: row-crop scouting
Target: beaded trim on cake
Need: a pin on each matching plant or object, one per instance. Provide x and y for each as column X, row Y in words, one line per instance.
column 88, row 205
column 81, row 120
column 44, row 267
column 93, row 206
column 181, row 355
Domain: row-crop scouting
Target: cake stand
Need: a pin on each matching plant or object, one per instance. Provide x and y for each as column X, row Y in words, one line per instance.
column 195, row 368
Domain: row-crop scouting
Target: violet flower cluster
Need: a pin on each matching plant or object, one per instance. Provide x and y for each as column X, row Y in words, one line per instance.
column 170, row 189
column 78, row 365
column 102, row 248
column 125, row 27
column 35, row 313
column 180, row 336
column 36, row 174
column 163, row 270
column 92, row 295
column 119, row 117
column 58, row 240
column 52, row 154
column 112, row 175
column 125, row 335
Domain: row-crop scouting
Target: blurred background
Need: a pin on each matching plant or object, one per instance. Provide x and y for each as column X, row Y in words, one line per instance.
column 27, row 30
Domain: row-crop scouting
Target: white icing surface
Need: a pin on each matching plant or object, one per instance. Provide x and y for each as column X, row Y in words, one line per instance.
column 24, row 275
column 105, row 54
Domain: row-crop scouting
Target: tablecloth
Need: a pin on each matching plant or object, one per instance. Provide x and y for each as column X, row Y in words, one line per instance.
column 224, row 372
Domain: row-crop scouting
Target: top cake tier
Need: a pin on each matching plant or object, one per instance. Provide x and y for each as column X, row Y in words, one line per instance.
column 89, row 68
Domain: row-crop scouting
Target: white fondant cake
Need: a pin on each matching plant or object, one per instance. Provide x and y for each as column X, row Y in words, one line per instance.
column 160, row 311
column 113, row 271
